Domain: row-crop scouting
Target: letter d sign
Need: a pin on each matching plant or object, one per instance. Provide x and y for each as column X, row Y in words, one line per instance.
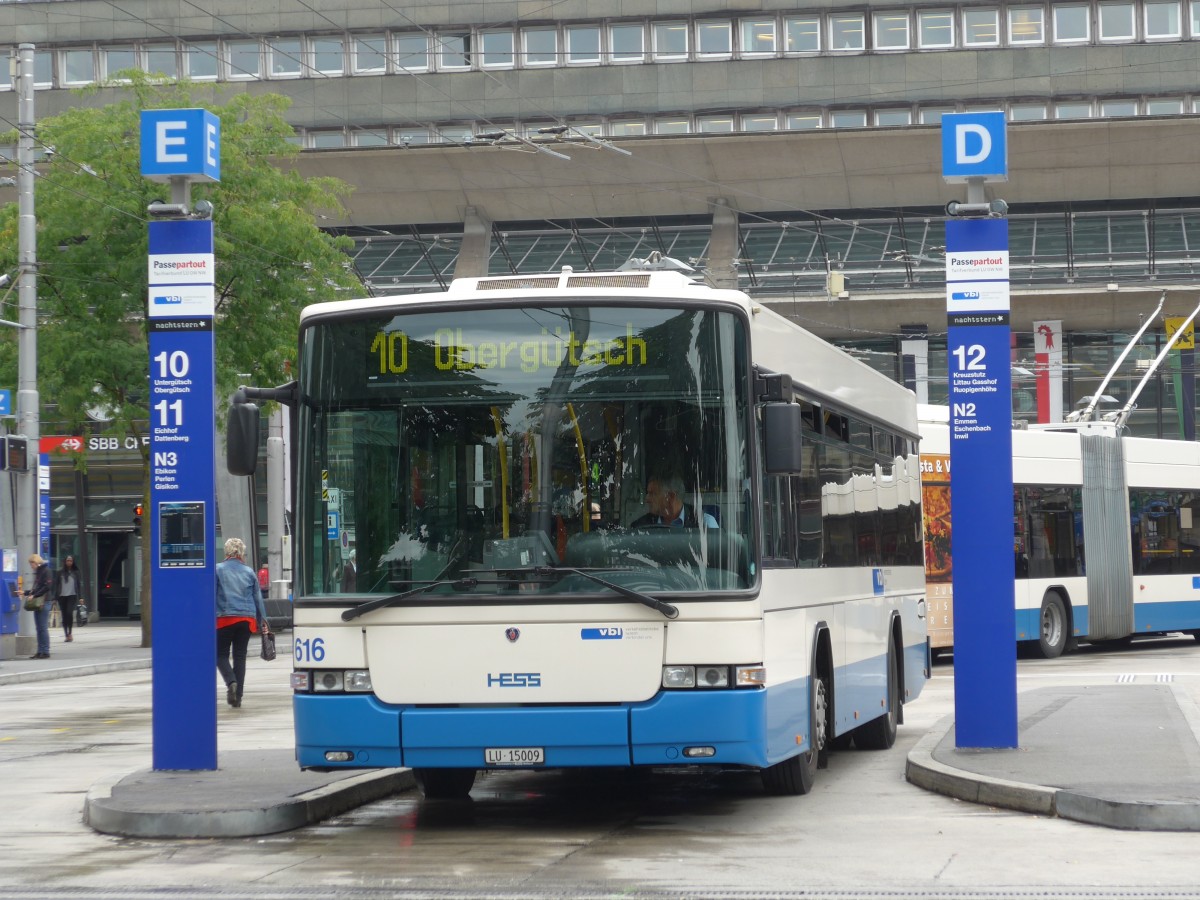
column 974, row 145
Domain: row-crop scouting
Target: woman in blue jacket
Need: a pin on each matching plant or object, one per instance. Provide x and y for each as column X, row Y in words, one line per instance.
column 240, row 613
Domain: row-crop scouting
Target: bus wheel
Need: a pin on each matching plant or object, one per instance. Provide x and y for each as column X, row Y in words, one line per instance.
column 1053, row 632
column 445, row 784
column 880, row 733
column 795, row 775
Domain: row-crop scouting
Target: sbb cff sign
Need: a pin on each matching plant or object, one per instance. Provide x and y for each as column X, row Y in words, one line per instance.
column 129, row 442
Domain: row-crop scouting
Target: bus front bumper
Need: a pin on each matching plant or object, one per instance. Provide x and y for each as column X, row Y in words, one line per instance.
column 722, row 727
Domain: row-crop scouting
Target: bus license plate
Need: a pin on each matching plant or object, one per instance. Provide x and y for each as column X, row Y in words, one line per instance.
column 514, row 756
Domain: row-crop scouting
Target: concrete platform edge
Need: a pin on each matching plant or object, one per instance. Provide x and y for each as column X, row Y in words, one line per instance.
column 926, row 772
column 74, row 671
column 103, row 815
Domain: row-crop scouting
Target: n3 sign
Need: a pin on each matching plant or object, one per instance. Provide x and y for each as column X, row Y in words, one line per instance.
column 974, row 145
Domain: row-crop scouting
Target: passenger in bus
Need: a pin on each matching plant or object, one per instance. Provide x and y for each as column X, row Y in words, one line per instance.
column 240, row 613
column 665, row 506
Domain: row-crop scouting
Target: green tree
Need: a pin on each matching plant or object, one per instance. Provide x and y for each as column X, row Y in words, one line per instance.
column 91, row 200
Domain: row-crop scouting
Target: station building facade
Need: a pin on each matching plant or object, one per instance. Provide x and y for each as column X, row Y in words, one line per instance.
column 789, row 149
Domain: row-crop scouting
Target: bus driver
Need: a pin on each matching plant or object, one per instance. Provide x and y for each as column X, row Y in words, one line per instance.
column 665, row 506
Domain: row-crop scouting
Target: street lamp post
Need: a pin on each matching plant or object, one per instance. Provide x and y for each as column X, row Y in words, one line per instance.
column 27, row 390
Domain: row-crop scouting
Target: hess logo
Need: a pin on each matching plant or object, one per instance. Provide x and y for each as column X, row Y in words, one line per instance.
column 514, row 679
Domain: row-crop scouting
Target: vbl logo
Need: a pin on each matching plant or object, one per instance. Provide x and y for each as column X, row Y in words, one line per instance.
column 515, row 679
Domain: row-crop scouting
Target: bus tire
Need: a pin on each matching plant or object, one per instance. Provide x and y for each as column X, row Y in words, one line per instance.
column 445, row 784
column 796, row 774
column 880, row 733
column 1054, row 628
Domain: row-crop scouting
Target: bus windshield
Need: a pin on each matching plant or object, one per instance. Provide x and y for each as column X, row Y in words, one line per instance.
column 492, row 451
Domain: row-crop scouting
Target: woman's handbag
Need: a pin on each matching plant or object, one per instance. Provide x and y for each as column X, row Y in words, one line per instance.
column 268, row 646
column 33, row 604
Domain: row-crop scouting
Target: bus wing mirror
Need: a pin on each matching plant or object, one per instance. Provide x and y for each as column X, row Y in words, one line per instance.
column 241, row 438
column 782, row 442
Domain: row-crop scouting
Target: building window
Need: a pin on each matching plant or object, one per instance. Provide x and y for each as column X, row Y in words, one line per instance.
column 1027, row 25
column 161, row 60
column 848, row 118
column 583, row 44
column 43, row 69
column 79, row 66
column 1164, row 107
column 803, row 34
column 760, row 122
column 672, row 125
column 1071, row 24
column 891, row 31
column 118, row 59
column 541, row 46
column 242, row 57
column 412, row 52
column 803, row 121
column 714, row 124
column 757, row 37
column 1116, row 22
column 1115, row 108
column 932, row 115
column 201, row 60
column 981, row 27
column 497, row 49
column 284, row 58
column 847, row 33
column 627, row 129
column 891, row 117
column 1027, row 112
column 327, row 140
column 1077, row 110
column 329, row 55
column 714, row 39
column 365, row 137
column 627, row 43
column 935, row 28
column 1196, row 18
column 1162, row 20
column 370, row 53
column 455, row 134
column 454, row 50
column 670, row 40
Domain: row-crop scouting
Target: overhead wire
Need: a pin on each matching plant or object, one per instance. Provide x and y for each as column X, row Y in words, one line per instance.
column 734, row 190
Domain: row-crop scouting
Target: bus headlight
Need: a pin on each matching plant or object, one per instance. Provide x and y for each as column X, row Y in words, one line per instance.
column 675, row 677
column 328, row 680
column 358, row 681
column 301, row 681
column 712, row 676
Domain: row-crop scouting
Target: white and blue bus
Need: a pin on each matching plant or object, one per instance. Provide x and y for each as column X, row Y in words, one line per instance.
column 1106, row 534
column 595, row 519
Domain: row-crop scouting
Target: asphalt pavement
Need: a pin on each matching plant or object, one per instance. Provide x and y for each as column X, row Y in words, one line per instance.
column 1123, row 756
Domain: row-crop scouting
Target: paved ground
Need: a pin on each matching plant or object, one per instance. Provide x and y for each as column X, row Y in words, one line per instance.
column 1065, row 764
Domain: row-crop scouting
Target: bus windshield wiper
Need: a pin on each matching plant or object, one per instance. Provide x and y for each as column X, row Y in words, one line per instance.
column 371, row 605
column 671, row 612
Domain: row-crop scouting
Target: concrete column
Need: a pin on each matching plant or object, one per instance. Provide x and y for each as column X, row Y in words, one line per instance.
column 723, row 246
column 476, row 245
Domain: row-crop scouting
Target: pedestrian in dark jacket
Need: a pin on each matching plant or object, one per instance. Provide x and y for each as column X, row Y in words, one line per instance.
column 67, row 588
column 43, row 583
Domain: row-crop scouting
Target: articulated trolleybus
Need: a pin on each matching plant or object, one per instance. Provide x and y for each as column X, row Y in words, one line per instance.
column 1106, row 533
column 595, row 519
